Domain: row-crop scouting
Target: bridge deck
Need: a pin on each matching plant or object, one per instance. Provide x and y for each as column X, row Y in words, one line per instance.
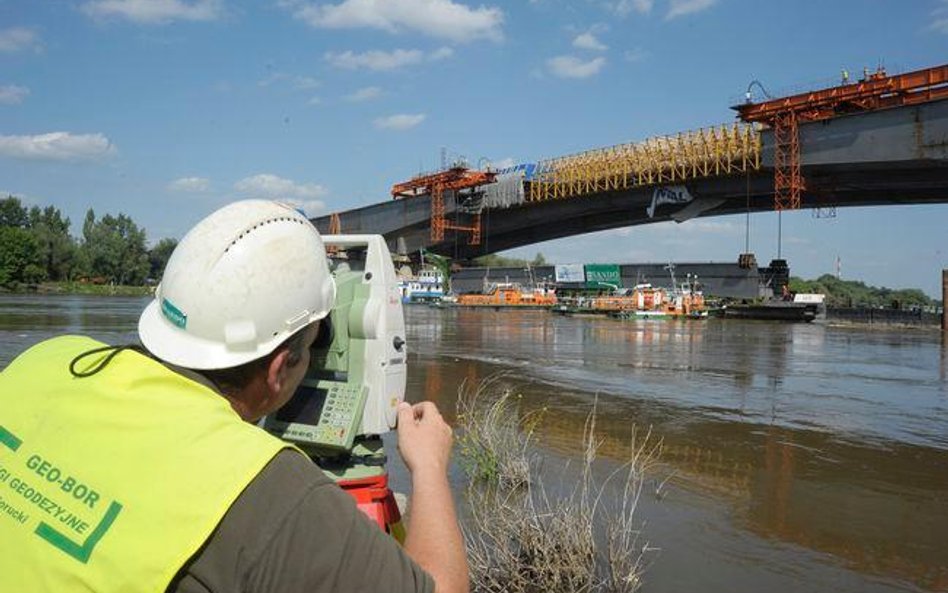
column 893, row 156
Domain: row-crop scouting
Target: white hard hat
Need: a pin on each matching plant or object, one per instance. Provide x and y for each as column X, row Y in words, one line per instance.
column 241, row 282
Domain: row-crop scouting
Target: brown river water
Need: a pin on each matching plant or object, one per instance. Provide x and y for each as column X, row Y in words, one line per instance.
column 802, row 457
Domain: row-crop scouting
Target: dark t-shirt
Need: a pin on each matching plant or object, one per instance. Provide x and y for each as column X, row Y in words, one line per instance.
column 293, row 529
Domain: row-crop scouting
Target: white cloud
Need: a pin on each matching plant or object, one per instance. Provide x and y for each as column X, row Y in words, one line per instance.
column 624, row 7
column 399, row 122
column 442, row 53
column 445, row 19
column 272, row 187
column 190, row 185
column 573, row 67
column 504, row 163
column 314, row 100
column 301, row 83
column 17, row 39
column 309, row 207
column 13, row 94
column 155, row 12
column 270, row 80
column 304, row 83
column 679, row 8
column 57, row 146
column 375, row 59
column 378, row 60
column 708, row 227
column 635, row 55
column 940, row 18
column 589, row 41
column 365, row 94
column 385, row 60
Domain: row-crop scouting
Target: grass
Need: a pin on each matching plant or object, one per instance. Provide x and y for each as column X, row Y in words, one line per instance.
column 494, row 442
column 522, row 537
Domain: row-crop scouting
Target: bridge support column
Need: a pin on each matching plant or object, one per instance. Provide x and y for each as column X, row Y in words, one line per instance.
column 944, row 301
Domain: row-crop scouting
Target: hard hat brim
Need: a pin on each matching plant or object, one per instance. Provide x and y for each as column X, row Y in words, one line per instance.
column 172, row 344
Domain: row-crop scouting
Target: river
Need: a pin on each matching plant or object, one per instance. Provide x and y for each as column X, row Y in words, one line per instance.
column 802, row 457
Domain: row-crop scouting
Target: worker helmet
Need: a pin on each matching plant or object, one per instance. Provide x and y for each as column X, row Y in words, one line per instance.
column 241, row 282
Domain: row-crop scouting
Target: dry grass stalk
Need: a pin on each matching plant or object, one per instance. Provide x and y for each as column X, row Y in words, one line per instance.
column 495, row 440
column 526, row 540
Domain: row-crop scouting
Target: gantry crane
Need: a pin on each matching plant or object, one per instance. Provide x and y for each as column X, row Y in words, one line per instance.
column 435, row 184
column 875, row 90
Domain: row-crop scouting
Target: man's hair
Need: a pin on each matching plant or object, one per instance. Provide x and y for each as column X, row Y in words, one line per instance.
column 234, row 379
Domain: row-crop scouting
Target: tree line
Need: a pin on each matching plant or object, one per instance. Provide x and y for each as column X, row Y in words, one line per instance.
column 36, row 246
column 498, row 261
column 852, row 293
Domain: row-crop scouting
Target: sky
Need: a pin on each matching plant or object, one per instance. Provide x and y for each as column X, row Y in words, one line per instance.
column 167, row 109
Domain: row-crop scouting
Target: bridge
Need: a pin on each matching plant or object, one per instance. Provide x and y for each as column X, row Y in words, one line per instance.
column 881, row 141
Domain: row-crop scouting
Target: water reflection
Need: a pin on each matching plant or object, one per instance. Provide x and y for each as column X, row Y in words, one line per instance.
column 830, row 440
column 28, row 319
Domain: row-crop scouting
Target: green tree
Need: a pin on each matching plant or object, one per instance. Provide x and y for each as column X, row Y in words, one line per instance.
column 12, row 213
column 852, row 293
column 19, row 257
column 114, row 249
column 443, row 264
column 498, row 261
column 158, row 257
column 57, row 248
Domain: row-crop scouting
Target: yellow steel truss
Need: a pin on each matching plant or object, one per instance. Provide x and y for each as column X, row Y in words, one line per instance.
column 708, row 152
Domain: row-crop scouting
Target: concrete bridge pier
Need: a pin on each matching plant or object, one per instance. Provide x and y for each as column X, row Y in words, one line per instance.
column 944, row 301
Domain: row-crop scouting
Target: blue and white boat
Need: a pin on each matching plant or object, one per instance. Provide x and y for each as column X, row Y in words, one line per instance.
column 426, row 287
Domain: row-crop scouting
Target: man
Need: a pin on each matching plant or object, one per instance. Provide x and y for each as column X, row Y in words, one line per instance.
column 124, row 469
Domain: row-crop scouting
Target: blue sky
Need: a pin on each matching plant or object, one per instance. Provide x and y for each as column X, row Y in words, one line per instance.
column 167, row 109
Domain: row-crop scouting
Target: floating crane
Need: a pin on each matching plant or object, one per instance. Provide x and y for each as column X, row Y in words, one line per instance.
column 435, row 184
column 876, row 90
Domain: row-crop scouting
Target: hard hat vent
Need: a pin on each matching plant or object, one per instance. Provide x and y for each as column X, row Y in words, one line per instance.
column 261, row 224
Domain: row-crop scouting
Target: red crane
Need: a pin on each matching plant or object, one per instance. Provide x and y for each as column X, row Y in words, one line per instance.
column 874, row 91
column 435, row 184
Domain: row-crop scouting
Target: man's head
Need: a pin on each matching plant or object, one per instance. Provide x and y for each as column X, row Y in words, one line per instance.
column 262, row 386
column 239, row 287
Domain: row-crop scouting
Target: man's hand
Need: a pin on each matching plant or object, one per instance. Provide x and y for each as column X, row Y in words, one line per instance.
column 424, row 438
column 434, row 538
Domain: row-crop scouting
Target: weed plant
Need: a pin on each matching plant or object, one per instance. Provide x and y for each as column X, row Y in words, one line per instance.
column 522, row 537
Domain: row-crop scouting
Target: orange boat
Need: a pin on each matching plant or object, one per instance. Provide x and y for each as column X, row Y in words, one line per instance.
column 509, row 294
column 646, row 301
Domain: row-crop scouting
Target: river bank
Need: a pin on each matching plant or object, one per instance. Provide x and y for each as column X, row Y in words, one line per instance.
column 78, row 288
column 883, row 317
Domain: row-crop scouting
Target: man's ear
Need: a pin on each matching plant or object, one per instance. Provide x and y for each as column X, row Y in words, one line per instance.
column 276, row 371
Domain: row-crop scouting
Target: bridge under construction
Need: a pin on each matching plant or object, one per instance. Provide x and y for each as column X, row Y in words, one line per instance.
column 881, row 140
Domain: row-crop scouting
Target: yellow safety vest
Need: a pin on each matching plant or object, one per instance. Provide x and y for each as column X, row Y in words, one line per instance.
column 113, row 481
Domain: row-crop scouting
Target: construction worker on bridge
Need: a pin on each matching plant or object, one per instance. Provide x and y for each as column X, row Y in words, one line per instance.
column 140, row 469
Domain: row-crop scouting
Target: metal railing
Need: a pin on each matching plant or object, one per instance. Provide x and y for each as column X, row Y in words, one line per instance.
column 708, row 152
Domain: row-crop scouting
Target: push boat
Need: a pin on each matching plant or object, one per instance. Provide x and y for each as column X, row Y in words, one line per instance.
column 644, row 301
column 800, row 308
column 426, row 287
column 511, row 295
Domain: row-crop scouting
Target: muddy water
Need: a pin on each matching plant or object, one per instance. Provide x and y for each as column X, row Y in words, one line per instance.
column 802, row 457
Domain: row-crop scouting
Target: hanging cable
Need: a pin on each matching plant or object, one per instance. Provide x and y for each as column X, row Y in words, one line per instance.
column 115, row 350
